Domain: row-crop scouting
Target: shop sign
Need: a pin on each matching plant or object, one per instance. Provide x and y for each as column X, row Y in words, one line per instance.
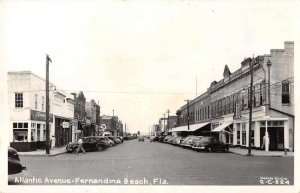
column 40, row 116
column 65, row 124
column 78, row 131
column 103, row 126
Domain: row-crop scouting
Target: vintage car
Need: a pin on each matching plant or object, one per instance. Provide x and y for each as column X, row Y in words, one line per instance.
column 88, row 143
column 141, row 138
column 211, row 144
column 14, row 163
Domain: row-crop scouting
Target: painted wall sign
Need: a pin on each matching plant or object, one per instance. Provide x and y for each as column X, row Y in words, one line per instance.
column 40, row 116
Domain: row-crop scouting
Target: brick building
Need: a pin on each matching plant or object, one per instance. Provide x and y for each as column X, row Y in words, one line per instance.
column 225, row 105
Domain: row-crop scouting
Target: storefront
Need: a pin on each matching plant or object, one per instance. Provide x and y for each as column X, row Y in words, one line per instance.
column 276, row 129
column 32, row 131
column 63, row 132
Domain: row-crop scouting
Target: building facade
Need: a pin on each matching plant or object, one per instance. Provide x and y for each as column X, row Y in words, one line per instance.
column 226, row 103
column 92, row 112
column 113, row 126
column 79, row 115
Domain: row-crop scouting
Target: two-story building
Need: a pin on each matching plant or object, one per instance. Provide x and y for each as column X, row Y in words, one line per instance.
column 225, row 105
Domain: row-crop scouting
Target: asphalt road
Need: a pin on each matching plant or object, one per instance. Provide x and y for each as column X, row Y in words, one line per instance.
column 145, row 163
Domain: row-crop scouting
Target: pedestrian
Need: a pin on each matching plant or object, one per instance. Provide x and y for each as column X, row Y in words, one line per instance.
column 80, row 147
column 265, row 139
column 52, row 142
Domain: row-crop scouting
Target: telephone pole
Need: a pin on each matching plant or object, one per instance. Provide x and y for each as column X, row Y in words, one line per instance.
column 168, row 127
column 48, row 59
column 188, row 113
column 250, row 107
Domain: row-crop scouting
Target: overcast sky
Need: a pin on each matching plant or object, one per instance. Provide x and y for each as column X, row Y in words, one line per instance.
column 140, row 58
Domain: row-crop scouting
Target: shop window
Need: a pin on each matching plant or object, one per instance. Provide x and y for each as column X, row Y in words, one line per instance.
column 19, row 100
column 243, row 133
column 20, row 136
column 285, row 96
column 238, row 134
column 38, row 132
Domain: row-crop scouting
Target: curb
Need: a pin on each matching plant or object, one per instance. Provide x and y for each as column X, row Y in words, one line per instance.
column 261, row 155
column 40, row 155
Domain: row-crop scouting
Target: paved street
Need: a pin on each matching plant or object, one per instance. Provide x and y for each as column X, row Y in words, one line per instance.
column 154, row 163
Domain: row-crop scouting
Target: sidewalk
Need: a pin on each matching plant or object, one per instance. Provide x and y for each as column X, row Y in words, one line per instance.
column 261, row 153
column 42, row 152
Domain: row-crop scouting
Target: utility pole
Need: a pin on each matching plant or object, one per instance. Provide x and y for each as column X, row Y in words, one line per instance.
column 113, row 112
column 164, row 122
column 48, row 59
column 196, row 87
column 188, row 113
column 168, row 127
column 250, row 107
column 125, row 131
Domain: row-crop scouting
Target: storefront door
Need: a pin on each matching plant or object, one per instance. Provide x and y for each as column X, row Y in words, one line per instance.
column 276, row 135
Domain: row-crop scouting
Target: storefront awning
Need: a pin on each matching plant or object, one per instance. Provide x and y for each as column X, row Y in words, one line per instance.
column 193, row 127
column 221, row 127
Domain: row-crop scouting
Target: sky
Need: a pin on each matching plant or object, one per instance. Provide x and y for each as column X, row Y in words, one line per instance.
column 140, row 58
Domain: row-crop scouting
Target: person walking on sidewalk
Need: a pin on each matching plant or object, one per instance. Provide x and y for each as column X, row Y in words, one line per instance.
column 80, row 147
column 52, row 142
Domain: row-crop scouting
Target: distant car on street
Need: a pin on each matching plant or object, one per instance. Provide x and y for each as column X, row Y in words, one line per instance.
column 141, row 138
column 88, row 143
column 211, row 144
column 14, row 163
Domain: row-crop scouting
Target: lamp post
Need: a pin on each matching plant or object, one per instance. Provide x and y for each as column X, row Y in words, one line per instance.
column 250, row 106
column 188, row 113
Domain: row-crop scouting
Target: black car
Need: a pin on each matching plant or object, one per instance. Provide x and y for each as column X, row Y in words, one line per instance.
column 14, row 164
column 210, row 144
column 88, row 143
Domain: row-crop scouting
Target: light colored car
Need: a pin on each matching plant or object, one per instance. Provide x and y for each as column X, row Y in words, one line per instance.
column 141, row 138
column 177, row 140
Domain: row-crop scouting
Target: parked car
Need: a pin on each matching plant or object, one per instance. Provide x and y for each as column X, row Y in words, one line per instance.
column 184, row 143
column 88, row 143
column 114, row 139
column 154, row 138
column 103, row 139
column 194, row 140
column 171, row 139
column 121, row 138
column 177, row 140
column 14, row 163
column 141, row 138
column 211, row 144
column 166, row 139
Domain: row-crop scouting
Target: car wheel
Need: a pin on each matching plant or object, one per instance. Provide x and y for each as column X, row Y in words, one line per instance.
column 208, row 149
column 99, row 148
column 74, row 150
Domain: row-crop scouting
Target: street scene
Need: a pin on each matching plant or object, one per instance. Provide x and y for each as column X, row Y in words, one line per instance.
column 142, row 93
column 153, row 163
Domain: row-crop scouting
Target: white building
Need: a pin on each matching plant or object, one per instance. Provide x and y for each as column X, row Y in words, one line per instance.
column 27, row 107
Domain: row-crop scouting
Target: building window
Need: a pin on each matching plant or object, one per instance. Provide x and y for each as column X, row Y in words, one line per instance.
column 285, row 96
column 208, row 111
column 35, row 101
column 43, row 102
column 19, row 100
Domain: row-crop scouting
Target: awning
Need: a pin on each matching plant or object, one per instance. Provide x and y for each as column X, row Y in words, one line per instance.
column 198, row 126
column 221, row 127
column 193, row 127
